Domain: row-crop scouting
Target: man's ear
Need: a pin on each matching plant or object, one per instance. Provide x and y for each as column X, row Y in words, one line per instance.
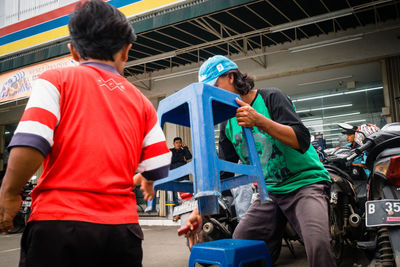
column 231, row 78
column 74, row 53
column 125, row 52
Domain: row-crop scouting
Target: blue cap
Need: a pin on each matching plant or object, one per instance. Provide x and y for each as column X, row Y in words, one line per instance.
column 214, row 67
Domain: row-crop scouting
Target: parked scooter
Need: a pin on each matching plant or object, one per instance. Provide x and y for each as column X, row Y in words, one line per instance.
column 223, row 224
column 22, row 217
column 345, row 208
column 215, row 227
column 26, row 201
column 382, row 216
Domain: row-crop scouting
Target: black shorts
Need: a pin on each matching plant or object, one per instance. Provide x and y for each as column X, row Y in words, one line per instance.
column 75, row 244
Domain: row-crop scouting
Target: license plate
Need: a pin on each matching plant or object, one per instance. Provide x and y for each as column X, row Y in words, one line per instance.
column 382, row 212
column 185, row 207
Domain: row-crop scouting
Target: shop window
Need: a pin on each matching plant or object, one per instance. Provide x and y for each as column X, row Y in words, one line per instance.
column 321, row 112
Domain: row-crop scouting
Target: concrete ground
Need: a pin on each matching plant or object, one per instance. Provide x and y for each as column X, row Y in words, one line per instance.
column 163, row 248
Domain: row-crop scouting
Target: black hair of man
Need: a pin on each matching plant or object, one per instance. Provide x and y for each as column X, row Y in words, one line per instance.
column 243, row 82
column 177, row 139
column 98, row 30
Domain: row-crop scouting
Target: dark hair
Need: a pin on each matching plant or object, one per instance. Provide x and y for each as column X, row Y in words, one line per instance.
column 243, row 82
column 98, row 30
column 177, row 139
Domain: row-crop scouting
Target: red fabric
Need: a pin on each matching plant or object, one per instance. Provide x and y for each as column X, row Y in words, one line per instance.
column 185, row 196
column 40, row 115
column 154, row 150
column 97, row 147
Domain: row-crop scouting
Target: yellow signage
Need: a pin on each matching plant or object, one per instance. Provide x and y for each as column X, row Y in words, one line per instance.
column 17, row 84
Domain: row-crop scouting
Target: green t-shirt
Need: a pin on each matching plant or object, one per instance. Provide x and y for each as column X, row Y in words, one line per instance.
column 285, row 169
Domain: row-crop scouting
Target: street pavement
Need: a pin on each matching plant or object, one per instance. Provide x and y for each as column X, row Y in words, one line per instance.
column 163, row 248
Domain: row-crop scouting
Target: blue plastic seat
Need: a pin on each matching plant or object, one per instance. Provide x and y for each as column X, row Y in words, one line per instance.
column 230, row 253
column 200, row 107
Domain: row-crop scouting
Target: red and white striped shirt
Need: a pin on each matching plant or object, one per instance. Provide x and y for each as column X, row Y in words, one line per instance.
column 95, row 130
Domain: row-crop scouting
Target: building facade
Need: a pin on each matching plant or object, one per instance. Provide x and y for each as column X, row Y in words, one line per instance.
column 339, row 61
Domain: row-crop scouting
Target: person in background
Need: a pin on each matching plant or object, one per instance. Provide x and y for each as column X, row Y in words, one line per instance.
column 297, row 182
column 92, row 129
column 350, row 135
column 351, row 143
column 180, row 156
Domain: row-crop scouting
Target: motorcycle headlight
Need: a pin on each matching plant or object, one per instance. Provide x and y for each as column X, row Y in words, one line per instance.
column 390, row 168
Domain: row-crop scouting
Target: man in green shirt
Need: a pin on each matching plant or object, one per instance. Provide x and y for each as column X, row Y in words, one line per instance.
column 296, row 180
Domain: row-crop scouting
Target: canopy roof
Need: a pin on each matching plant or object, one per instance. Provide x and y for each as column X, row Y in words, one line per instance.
column 195, row 30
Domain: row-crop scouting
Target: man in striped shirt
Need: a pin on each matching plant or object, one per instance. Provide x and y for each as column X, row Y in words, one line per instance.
column 92, row 130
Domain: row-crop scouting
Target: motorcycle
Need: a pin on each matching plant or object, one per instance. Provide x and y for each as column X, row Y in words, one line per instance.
column 345, row 203
column 215, row 227
column 382, row 208
column 22, row 217
column 223, row 224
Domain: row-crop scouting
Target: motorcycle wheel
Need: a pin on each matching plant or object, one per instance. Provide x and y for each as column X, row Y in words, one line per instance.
column 337, row 241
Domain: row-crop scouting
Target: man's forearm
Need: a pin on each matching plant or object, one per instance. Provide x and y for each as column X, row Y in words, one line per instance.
column 283, row 133
column 188, row 155
column 22, row 164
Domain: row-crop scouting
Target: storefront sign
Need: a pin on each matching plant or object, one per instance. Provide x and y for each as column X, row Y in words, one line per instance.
column 17, row 84
column 52, row 25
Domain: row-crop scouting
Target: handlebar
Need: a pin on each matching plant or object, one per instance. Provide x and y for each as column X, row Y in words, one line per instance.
column 365, row 146
column 184, row 230
column 360, row 150
column 352, row 156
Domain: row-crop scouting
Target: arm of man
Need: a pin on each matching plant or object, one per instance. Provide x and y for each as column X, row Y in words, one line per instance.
column 145, row 185
column 193, row 234
column 22, row 164
column 226, row 151
column 155, row 157
column 31, row 142
column 283, row 133
column 284, row 125
column 188, row 155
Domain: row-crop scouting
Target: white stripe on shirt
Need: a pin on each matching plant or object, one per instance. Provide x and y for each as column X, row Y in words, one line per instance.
column 34, row 127
column 155, row 135
column 155, row 162
column 46, row 96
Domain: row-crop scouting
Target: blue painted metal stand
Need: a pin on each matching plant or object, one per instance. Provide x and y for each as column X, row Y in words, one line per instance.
column 200, row 107
column 230, row 253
